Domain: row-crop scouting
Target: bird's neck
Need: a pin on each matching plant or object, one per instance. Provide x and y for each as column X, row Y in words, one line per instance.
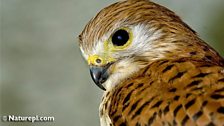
column 183, row 46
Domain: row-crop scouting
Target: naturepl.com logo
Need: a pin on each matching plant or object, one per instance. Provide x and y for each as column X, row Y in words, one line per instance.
column 14, row 118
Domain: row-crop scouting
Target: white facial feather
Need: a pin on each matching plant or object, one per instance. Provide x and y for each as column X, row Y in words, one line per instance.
column 142, row 38
column 83, row 53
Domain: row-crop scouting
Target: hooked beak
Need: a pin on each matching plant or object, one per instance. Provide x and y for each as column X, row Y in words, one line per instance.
column 99, row 75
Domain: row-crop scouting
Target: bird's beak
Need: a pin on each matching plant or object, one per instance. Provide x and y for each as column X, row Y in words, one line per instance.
column 99, row 75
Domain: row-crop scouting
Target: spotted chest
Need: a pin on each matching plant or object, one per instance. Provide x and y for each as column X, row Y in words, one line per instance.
column 105, row 119
column 167, row 93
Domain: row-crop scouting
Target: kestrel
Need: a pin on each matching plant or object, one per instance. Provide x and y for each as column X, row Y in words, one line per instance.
column 154, row 68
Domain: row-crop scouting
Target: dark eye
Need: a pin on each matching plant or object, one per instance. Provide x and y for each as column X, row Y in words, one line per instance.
column 120, row 38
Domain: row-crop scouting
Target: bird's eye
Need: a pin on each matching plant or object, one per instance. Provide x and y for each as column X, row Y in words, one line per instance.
column 120, row 37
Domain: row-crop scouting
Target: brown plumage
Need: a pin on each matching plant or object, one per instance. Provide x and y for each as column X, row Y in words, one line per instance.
column 169, row 92
column 157, row 71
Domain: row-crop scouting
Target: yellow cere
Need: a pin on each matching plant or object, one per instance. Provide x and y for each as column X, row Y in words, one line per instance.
column 109, row 47
column 99, row 61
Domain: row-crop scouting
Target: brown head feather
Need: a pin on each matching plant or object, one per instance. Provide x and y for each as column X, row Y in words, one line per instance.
column 129, row 13
column 133, row 12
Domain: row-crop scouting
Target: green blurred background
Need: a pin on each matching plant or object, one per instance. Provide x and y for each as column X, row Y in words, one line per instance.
column 42, row 71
